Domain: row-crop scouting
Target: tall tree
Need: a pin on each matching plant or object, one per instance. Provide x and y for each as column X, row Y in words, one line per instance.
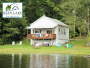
column 36, row 8
column 88, row 35
column 11, row 29
column 73, row 12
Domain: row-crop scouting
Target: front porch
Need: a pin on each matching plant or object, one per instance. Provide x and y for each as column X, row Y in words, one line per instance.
column 42, row 34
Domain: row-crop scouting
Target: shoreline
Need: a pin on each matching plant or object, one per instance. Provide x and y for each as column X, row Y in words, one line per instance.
column 27, row 51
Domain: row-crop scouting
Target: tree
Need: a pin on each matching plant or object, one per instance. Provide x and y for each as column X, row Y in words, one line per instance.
column 11, row 29
column 88, row 35
column 36, row 8
column 73, row 12
column 80, row 26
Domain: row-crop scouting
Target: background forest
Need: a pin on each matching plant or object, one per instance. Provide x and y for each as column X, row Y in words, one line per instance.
column 71, row 12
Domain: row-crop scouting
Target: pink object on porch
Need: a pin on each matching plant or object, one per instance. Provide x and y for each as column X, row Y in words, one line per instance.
column 46, row 34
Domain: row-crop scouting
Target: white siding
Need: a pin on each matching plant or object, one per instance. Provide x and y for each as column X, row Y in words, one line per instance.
column 61, row 35
column 31, row 31
column 56, row 32
column 31, row 39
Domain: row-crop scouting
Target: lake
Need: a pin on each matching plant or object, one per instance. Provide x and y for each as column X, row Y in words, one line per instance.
column 44, row 61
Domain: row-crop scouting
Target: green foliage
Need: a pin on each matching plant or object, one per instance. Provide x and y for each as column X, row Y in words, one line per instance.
column 36, row 8
column 1, row 41
column 12, row 29
column 89, row 37
column 73, row 10
column 0, row 4
column 71, row 33
column 0, row 26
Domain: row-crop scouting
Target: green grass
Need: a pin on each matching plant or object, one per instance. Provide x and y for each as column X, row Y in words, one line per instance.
column 82, row 42
column 79, row 47
column 82, row 37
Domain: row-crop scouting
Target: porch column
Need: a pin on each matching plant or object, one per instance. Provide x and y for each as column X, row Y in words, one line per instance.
column 27, row 37
column 52, row 36
column 34, row 38
column 43, row 34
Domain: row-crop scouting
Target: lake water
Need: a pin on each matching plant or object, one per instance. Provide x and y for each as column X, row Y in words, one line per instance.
column 43, row 61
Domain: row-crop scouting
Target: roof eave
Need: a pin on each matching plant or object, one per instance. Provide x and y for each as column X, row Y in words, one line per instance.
column 63, row 26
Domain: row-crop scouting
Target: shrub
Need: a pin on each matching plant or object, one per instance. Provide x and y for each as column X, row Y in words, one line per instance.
column 1, row 41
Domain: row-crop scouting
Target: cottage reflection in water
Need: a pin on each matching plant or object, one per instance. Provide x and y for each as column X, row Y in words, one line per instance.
column 43, row 61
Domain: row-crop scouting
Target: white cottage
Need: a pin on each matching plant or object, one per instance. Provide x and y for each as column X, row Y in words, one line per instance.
column 49, row 30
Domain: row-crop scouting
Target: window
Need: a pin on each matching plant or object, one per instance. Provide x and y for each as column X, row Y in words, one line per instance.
column 64, row 32
column 33, row 31
column 37, row 31
column 49, row 31
column 59, row 29
column 40, row 31
column 61, row 32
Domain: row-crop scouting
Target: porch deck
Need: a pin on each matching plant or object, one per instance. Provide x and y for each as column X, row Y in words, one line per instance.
column 41, row 36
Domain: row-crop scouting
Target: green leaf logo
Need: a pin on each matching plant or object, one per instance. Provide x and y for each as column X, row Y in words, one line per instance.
column 8, row 7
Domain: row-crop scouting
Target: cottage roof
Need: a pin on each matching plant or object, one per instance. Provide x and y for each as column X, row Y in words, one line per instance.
column 46, row 22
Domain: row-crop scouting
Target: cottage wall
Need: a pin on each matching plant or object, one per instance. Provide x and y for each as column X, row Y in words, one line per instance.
column 63, row 33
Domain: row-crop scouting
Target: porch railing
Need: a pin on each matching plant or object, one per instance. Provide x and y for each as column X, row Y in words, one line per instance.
column 41, row 36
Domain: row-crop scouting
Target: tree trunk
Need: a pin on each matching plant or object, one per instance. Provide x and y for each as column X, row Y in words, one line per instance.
column 88, row 42
column 53, row 15
column 56, row 2
column 80, row 34
column 74, row 24
column 88, row 26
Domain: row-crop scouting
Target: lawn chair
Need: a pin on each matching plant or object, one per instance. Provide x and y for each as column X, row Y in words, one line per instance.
column 13, row 43
column 36, row 46
column 71, row 46
column 58, row 45
column 40, row 35
column 37, row 35
column 66, row 46
column 20, row 43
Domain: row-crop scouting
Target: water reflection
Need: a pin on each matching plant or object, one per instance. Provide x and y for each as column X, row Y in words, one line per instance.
column 43, row 61
column 12, row 61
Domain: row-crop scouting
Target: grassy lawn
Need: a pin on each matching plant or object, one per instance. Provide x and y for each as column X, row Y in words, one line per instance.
column 78, row 48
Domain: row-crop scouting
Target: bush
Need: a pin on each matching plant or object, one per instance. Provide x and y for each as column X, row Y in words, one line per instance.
column 71, row 33
column 1, row 41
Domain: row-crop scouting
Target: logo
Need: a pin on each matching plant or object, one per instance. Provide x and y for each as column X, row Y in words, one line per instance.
column 12, row 10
